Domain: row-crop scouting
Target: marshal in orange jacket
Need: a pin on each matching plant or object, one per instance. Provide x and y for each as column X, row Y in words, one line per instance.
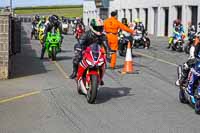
column 111, row 27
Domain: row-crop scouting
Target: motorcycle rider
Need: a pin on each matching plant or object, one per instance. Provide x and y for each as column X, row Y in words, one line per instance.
column 125, row 34
column 52, row 23
column 140, row 27
column 93, row 35
column 42, row 21
column 35, row 21
column 194, row 51
column 177, row 29
column 191, row 31
column 79, row 22
column 111, row 27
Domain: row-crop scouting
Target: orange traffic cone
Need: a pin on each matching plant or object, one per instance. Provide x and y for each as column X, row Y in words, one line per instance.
column 128, row 64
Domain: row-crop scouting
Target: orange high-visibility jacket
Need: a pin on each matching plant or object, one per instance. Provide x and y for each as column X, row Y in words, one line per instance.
column 111, row 27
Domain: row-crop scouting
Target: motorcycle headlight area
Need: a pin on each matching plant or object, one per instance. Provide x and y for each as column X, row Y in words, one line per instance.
column 89, row 63
column 100, row 63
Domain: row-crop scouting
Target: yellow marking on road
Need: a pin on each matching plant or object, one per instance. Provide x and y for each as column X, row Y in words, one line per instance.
column 19, row 97
column 158, row 59
column 61, row 70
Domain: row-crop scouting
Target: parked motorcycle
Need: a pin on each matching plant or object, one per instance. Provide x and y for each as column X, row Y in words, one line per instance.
column 90, row 72
column 192, row 81
column 140, row 40
column 53, row 44
column 178, row 41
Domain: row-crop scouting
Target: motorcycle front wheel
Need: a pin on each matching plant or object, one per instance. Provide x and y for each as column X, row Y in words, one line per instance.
column 179, row 47
column 182, row 97
column 53, row 53
column 92, row 92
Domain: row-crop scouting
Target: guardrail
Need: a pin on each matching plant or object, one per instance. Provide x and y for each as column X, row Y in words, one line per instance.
column 25, row 19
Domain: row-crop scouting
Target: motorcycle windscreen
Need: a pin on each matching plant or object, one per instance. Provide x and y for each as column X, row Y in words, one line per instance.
column 95, row 50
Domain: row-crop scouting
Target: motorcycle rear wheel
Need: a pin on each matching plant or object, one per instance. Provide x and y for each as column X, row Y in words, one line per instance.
column 187, row 49
column 197, row 107
column 92, row 92
column 148, row 42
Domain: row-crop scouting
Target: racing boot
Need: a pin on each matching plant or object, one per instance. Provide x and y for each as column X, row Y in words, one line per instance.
column 74, row 73
column 42, row 52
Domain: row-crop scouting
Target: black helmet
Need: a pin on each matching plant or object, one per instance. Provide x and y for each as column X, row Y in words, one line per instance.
column 37, row 17
column 53, row 19
column 124, row 21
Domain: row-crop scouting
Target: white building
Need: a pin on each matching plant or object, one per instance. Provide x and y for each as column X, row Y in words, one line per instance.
column 157, row 15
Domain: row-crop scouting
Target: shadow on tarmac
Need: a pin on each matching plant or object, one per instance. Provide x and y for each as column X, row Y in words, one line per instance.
column 106, row 93
column 27, row 63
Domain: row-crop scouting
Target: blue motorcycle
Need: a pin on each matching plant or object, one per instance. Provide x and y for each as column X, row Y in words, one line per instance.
column 193, row 81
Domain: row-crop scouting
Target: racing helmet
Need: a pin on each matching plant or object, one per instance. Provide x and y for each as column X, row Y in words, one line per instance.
column 137, row 20
column 124, row 21
column 37, row 17
column 177, row 22
column 54, row 19
column 96, row 26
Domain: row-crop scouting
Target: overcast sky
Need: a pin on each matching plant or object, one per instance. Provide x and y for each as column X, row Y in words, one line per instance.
column 20, row 3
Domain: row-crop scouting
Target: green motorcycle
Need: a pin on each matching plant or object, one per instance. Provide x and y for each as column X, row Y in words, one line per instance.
column 53, row 44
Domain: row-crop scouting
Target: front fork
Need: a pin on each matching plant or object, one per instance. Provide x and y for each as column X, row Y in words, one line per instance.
column 192, row 80
column 88, row 80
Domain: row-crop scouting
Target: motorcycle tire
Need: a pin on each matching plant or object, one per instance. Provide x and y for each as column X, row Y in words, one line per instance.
column 173, row 48
column 53, row 56
column 197, row 107
column 148, row 42
column 121, row 53
column 36, row 37
column 182, row 97
column 187, row 49
column 179, row 47
column 136, row 45
column 92, row 92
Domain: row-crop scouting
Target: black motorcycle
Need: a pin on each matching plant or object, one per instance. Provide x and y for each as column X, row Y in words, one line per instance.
column 141, row 41
column 124, row 39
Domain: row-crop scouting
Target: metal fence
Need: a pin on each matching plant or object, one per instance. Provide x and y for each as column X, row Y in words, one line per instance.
column 25, row 19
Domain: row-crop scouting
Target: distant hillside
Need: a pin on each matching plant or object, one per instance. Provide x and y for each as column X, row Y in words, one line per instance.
column 66, row 10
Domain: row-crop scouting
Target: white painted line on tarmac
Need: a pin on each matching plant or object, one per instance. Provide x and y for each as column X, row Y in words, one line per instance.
column 61, row 69
column 158, row 59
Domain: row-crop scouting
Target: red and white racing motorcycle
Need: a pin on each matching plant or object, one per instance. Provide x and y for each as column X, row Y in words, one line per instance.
column 90, row 71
